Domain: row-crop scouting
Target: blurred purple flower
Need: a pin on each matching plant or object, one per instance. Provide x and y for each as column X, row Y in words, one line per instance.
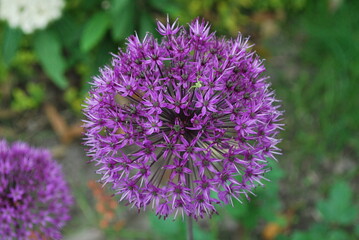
column 184, row 124
column 34, row 197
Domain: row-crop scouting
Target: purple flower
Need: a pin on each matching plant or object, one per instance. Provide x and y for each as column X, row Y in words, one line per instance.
column 194, row 126
column 34, row 198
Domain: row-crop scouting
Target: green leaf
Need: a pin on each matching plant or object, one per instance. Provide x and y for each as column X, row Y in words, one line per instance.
column 146, row 24
column 317, row 231
column 94, row 31
column 36, row 91
column 118, row 5
column 170, row 7
column 22, row 101
column 356, row 230
column 69, row 27
column 339, row 208
column 320, row 231
column 337, row 235
column 48, row 49
column 29, row 99
column 10, row 43
column 123, row 17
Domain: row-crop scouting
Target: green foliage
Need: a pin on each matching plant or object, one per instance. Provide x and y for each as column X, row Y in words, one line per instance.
column 10, row 44
column 176, row 229
column 23, row 64
column 123, row 18
column 169, row 229
column 30, row 99
column 168, row 7
column 71, row 49
column 94, row 31
column 232, row 16
column 265, row 206
column 48, row 49
column 321, row 232
column 339, row 216
column 74, row 99
column 82, row 201
column 323, row 100
column 146, row 24
column 339, row 208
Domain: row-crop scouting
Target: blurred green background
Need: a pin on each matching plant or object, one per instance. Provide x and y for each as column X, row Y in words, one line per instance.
column 312, row 55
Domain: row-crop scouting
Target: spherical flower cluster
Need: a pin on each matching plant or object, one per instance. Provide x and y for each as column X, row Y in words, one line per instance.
column 34, row 197
column 30, row 15
column 184, row 124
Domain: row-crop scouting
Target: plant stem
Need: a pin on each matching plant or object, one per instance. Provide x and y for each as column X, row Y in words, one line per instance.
column 189, row 228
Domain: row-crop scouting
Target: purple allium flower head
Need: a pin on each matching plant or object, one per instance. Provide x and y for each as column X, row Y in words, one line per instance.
column 183, row 124
column 34, row 197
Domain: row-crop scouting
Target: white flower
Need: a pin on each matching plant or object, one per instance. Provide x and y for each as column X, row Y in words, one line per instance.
column 30, row 15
